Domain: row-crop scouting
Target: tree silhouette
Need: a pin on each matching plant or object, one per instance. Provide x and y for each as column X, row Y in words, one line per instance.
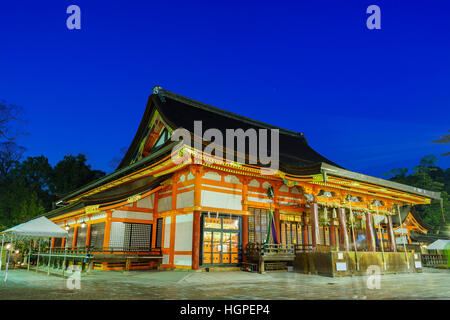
column 10, row 116
column 444, row 139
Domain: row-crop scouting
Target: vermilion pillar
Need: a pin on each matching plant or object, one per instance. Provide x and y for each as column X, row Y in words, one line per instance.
column 276, row 213
column 107, row 229
column 305, row 229
column 277, row 224
column 196, row 241
column 155, row 219
column 244, row 218
column 197, row 170
column 75, row 236
column 88, row 234
column 343, row 236
column 332, row 234
column 392, row 246
column 315, row 224
column 173, row 220
column 369, row 233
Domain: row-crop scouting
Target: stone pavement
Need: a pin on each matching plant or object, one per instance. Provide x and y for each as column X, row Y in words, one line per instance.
column 104, row 285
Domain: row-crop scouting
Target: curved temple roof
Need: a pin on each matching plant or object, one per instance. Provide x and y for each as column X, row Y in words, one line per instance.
column 181, row 112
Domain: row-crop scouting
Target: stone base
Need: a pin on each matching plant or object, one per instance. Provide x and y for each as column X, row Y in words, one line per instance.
column 346, row 263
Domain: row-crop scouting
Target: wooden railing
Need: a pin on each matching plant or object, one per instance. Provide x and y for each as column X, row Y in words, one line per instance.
column 104, row 250
column 433, row 260
column 60, row 258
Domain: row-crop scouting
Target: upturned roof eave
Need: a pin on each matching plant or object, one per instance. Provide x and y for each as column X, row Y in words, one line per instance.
column 118, row 173
column 332, row 170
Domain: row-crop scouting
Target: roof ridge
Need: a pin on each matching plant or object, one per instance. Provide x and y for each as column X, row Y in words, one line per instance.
column 207, row 107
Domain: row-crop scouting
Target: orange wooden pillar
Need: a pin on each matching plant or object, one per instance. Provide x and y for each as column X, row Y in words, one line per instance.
column 369, row 233
column 245, row 217
column 276, row 211
column 53, row 242
column 88, row 233
column 75, row 235
column 277, row 224
column 343, row 236
column 196, row 241
column 198, row 172
column 107, row 234
column 332, row 233
column 155, row 219
column 315, row 224
column 173, row 221
column 107, row 229
column 392, row 246
column 305, row 229
column 63, row 242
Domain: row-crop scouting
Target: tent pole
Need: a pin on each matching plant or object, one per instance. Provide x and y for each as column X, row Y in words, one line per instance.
column 29, row 255
column 64, row 262
column 49, row 258
column 7, row 262
column 39, row 252
column 1, row 252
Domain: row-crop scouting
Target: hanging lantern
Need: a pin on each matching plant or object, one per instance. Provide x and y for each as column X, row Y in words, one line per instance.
column 325, row 214
column 334, row 214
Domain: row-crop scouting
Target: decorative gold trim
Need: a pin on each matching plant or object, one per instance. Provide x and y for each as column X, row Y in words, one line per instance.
column 134, row 198
column 92, row 209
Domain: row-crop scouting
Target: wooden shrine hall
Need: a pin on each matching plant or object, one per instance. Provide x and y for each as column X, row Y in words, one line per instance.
column 162, row 208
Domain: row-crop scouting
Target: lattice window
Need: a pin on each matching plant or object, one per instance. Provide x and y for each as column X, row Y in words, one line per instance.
column 117, row 235
column 159, row 232
column 69, row 241
column 81, row 237
column 258, row 225
column 138, row 236
column 97, row 235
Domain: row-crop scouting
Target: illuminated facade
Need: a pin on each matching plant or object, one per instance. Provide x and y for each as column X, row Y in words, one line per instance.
column 201, row 214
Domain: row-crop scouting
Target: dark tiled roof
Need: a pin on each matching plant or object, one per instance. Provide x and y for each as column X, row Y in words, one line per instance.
column 181, row 112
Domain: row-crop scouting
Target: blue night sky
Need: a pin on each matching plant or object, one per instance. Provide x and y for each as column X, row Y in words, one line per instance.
column 369, row 100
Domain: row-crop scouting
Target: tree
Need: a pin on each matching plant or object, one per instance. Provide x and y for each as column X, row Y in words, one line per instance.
column 29, row 188
column 72, row 173
column 36, row 172
column 444, row 139
column 10, row 155
column 427, row 175
column 10, row 115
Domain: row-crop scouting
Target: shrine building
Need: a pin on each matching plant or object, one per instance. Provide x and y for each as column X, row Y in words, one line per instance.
column 166, row 209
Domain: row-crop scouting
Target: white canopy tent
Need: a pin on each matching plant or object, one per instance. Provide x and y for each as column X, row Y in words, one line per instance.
column 34, row 229
column 439, row 244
